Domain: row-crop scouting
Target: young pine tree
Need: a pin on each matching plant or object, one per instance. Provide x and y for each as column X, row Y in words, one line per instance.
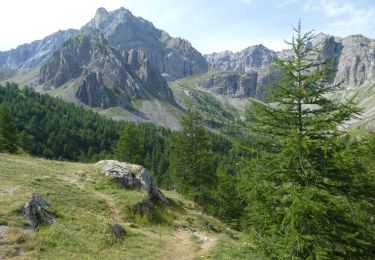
column 308, row 197
column 129, row 147
column 191, row 159
column 8, row 135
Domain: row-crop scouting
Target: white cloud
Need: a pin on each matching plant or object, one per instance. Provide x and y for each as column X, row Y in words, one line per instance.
column 346, row 17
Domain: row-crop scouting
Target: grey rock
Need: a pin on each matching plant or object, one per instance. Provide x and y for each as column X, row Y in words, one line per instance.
column 132, row 176
column 103, row 76
column 231, row 84
column 250, row 59
column 142, row 208
column 34, row 54
column 36, row 213
column 353, row 61
column 118, row 230
column 173, row 57
column 253, row 84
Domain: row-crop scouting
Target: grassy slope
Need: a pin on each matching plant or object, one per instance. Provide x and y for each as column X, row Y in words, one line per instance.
column 22, row 78
column 364, row 96
column 224, row 111
column 85, row 206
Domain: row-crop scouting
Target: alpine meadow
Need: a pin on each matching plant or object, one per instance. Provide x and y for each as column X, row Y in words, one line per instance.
column 119, row 141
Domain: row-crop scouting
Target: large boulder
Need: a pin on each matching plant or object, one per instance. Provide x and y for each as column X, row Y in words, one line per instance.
column 132, row 176
column 36, row 213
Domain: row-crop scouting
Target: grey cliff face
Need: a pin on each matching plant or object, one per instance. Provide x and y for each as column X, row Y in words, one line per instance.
column 355, row 62
column 174, row 57
column 104, row 77
column 241, row 85
column 31, row 55
column 232, row 84
column 250, row 59
column 354, row 58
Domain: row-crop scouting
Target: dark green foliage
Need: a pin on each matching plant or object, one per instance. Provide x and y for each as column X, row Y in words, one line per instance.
column 52, row 128
column 191, row 159
column 156, row 153
column 227, row 201
column 308, row 194
column 129, row 147
column 8, row 135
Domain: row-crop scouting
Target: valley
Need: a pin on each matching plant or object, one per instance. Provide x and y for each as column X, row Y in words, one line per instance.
column 121, row 141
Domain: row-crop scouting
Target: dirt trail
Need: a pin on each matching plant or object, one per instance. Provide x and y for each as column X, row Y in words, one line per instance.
column 182, row 244
column 115, row 212
column 3, row 246
column 188, row 245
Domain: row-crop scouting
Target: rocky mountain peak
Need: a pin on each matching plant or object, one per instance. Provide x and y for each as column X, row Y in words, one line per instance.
column 103, row 77
column 247, row 60
column 174, row 57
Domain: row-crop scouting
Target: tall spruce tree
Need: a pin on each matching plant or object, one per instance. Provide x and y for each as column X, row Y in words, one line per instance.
column 308, row 197
column 191, row 159
column 129, row 147
column 8, row 135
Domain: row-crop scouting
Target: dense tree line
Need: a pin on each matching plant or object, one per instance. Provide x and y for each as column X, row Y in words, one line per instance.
column 54, row 129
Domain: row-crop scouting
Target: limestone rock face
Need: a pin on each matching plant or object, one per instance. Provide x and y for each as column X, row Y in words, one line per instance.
column 240, row 85
column 31, row 55
column 232, row 84
column 353, row 60
column 174, row 57
column 132, row 176
column 103, row 76
column 250, row 59
column 35, row 211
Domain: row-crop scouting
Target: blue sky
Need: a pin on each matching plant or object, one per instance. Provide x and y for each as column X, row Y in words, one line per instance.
column 210, row 25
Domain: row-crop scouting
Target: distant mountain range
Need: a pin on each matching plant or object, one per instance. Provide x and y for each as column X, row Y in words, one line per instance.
column 121, row 65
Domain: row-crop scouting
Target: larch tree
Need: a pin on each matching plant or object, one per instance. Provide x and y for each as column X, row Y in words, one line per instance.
column 191, row 158
column 308, row 196
column 129, row 147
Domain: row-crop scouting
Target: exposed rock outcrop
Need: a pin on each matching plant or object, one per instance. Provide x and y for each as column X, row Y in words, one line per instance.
column 36, row 213
column 34, row 54
column 353, row 60
column 132, row 176
column 250, row 59
column 240, row 85
column 103, row 76
column 231, row 84
column 174, row 57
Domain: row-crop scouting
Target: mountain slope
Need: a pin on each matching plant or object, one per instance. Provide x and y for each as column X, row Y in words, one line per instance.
column 174, row 57
column 248, row 73
column 86, row 203
column 102, row 76
column 353, row 58
column 31, row 55
column 247, row 60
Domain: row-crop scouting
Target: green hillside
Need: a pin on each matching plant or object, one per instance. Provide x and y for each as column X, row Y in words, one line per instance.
column 86, row 204
column 220, row 113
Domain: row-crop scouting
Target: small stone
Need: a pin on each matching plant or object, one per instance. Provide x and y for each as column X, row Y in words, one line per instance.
column 118, row 230
column 35, row 211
